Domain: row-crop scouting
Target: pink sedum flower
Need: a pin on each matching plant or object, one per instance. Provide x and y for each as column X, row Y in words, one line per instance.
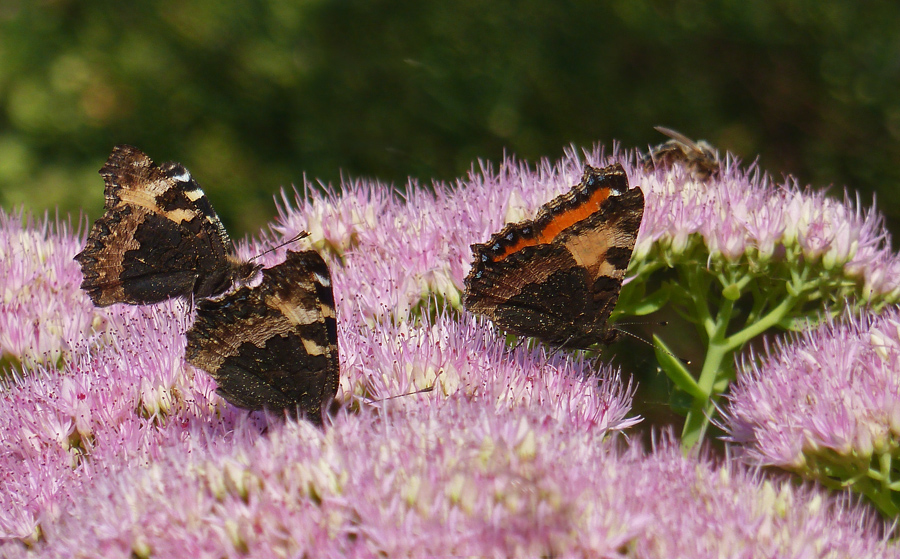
column 742, row 213
column 461, row 479
column 826, row 404
column 43, row 314
column 465, row 358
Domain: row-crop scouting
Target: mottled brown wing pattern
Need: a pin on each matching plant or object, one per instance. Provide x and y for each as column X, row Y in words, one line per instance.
column 273, row 346
column 159, row 237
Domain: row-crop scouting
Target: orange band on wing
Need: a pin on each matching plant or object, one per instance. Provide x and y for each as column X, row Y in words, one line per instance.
column 558, row 224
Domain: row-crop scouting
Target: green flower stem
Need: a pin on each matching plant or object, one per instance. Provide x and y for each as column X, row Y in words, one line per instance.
column 883, row 500
column 776, row 315
column 697, row 420
column 730, row 303
column 869, row 475
column 717, row 372
column 872, row 476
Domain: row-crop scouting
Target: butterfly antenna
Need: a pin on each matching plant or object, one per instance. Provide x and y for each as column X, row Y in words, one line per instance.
column 421, row 391
column 519, row 343
column 294, row 239
column 636, row 337
column 558, row 348
column 371, row 402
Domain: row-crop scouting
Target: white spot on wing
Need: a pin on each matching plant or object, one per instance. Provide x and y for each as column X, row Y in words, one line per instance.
column 326, row 310
column 182, row 177
column 179, row 216
column 324, row 280
column 296, row 314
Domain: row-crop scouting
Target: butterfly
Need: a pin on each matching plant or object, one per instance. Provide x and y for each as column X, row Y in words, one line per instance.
column 159, row 237
column 272, row 346
column 558, row 276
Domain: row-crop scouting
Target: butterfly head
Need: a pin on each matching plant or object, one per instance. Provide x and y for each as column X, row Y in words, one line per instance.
column 243, row 271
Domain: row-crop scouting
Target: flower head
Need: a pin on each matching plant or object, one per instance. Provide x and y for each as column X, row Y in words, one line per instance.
column 43, row 313
column 825, row 403
column 462, row 479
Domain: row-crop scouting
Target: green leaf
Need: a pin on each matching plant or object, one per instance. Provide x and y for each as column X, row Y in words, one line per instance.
column 652, row 303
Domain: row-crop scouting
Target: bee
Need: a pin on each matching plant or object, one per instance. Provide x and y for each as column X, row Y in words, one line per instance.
column 699, row 158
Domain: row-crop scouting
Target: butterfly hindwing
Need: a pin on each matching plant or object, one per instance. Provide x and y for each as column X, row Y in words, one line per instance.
column 272, row 346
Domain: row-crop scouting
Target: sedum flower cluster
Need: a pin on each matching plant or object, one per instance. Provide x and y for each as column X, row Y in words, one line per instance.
column 826, row 405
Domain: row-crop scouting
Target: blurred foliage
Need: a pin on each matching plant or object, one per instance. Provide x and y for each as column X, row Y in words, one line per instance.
column 253, row 95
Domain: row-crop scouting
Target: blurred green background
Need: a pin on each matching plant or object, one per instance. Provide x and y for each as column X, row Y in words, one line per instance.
column 252, row 95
